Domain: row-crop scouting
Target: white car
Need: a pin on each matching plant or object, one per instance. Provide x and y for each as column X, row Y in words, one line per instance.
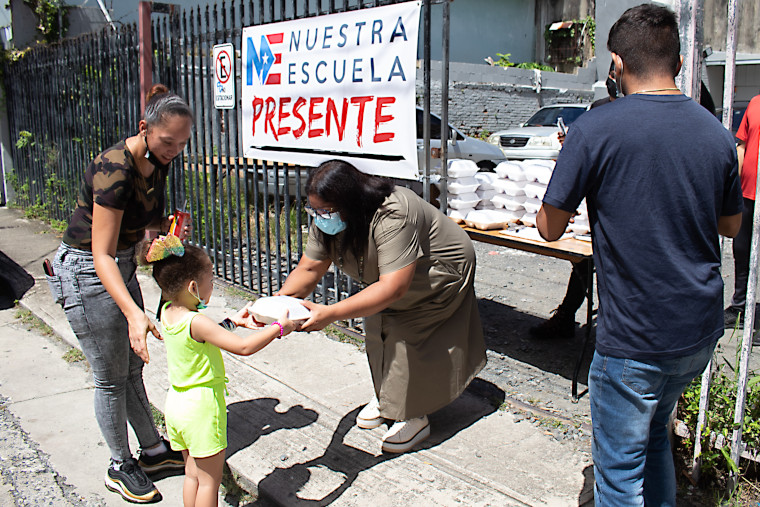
column 537, row 137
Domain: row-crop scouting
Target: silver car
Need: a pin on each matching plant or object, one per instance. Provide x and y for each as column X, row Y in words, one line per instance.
column 537, row 137
column 485, row 155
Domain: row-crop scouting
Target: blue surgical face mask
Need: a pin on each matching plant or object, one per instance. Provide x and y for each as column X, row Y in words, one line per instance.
column 331, row 225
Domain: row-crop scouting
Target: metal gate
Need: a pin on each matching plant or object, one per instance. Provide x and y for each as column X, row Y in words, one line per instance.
column 248, row 214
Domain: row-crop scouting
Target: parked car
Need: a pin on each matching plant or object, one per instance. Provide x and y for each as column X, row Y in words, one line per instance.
column 536, row 138
column 485, row 155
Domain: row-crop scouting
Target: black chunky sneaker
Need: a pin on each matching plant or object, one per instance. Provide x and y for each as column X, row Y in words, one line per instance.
column 560, row 325
column 733, row 317
column 131, row 483
column 167, row 461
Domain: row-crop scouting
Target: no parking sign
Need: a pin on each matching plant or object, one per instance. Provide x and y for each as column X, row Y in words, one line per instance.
column 224, row 76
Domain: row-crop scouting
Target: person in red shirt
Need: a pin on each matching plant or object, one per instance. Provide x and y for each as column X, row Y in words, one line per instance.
column 748, row 138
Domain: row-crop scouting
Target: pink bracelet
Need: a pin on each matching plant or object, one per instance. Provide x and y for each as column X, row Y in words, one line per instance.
column 282, row 330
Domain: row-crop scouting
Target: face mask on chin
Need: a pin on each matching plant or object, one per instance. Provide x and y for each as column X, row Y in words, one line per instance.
column 202, row 305
column 153, row 159
column 332, row 225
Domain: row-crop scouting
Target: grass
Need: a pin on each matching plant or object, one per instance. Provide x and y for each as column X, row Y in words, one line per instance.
column 343, row 336
column 158, row 418
column 73, row 355
column 32, row 322
column 233, row 492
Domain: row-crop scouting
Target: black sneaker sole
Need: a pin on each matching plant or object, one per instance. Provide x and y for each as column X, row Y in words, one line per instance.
column 119, row 487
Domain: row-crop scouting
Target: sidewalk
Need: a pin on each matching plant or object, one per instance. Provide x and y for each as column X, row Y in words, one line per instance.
column 292, row 406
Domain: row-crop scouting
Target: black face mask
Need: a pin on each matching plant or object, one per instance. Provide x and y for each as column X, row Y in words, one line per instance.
column 154, row 159
column 612, row 89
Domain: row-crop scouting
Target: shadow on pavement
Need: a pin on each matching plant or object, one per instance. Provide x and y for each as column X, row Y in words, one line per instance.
column 348, row 462
column 507, row 332
column 249, row 420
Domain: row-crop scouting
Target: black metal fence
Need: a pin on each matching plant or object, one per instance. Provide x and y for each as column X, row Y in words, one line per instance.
column 68, row 102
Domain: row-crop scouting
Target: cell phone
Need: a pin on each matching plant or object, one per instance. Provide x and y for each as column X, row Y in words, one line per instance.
column 561, row 126
column 47, row 267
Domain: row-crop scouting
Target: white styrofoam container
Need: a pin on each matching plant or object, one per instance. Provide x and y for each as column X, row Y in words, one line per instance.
column 509, row 202
column 269, row 309
column 486, row 180
column 510, row 169
column 510, row 187
column 485, row 205
column 459, row 168
column 463, row 185
column 535, row 190
column 532, row 205
column 538, row 172
column 579, row 228
column 490, row 219
column 486, row 194
column 529, row 219
column 458, row 215
column 459, row 201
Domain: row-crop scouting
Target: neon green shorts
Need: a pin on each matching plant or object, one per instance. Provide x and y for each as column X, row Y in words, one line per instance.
column 196, row 420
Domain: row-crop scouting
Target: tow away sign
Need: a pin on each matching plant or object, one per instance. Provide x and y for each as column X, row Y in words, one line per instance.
column 224, row 76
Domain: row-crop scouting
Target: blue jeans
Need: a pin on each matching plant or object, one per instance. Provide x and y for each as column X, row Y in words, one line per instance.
column 631, row 402
column 103, row 334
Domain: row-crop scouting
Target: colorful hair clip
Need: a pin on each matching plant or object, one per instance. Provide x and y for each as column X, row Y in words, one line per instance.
column 165, row 246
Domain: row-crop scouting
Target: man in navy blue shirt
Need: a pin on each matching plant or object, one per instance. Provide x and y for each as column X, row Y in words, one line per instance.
column 659, row 174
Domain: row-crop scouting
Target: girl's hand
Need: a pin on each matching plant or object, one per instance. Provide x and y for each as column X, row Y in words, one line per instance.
column 288, row 326
column 139, row 326
column 321, row 316
column 244, row 318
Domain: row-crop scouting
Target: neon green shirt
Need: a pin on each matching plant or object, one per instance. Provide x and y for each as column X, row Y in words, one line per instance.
column 190, row 363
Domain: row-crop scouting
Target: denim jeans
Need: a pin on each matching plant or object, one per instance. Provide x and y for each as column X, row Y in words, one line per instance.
column 103, row 334
column 631, row 402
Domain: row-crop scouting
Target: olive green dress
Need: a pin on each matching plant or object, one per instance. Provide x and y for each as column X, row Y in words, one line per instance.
column 425, row 348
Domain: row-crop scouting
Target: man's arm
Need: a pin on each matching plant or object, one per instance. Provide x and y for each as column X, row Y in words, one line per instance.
column 740, row 149
column 552, row 222
column 729, row 225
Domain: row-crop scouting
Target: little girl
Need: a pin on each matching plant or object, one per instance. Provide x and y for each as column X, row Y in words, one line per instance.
column 196, row 415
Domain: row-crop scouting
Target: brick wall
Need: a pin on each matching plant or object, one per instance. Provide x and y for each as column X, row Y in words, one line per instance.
column 484, row 98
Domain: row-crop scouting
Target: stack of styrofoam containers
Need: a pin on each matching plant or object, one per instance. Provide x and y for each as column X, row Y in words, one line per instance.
column 485, row 191
column 486, row 216
column 537, row 175
column 510, row 188
column 580, row 223
column 461, row 188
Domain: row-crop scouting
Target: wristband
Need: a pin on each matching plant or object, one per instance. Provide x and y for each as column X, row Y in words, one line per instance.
column 228, row 324
column 282, row 330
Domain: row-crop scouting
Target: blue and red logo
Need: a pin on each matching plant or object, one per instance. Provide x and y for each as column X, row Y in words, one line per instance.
column 263, row 59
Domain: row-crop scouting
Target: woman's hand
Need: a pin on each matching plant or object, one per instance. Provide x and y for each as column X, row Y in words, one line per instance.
column 139, row 326
column 244, row 318
column 187, row 228
column 321, row 316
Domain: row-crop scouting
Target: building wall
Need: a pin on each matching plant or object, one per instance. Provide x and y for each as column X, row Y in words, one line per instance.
column 482, row 28
column 716, row 24
column 747, row 80
column 484, row 98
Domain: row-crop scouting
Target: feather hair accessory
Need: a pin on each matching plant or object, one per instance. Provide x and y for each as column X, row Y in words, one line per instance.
column 164, row 246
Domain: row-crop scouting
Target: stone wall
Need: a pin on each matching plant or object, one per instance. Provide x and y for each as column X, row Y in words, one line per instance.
column 486, row 99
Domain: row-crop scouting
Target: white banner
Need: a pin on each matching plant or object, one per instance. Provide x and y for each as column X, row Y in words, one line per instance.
column 336, row 86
